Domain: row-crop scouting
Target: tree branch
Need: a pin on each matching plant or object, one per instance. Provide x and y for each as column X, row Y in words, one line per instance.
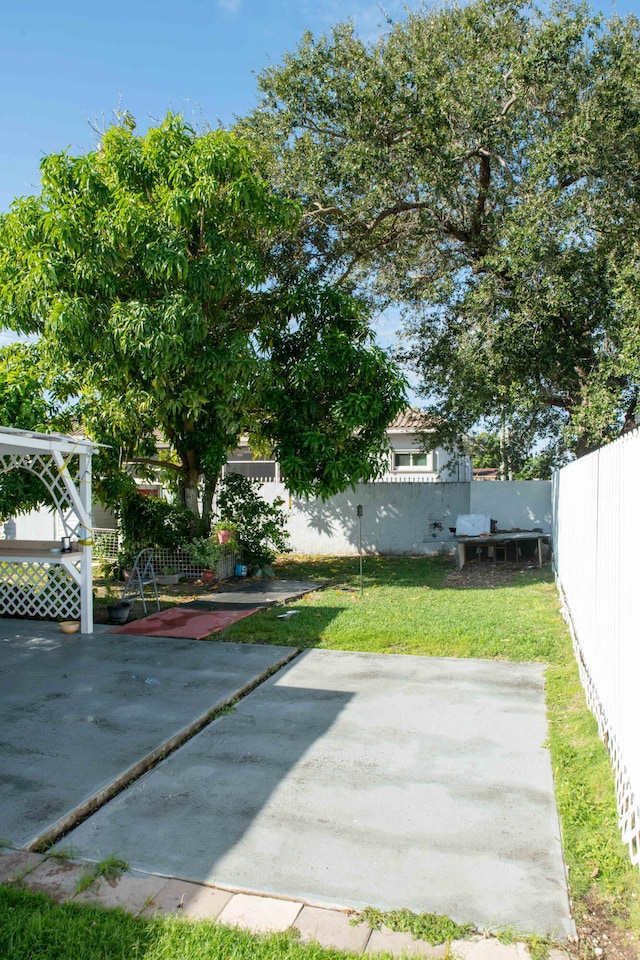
column 325, row 131
column 484, row 181
column 397, row 208
column 151, row 462
column 320, row 211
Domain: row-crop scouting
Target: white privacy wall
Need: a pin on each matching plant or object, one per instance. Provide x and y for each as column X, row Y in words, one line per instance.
column 397, row 518
column 596, row 542
column 408, row 518
column 413, row 516
column 514, row 504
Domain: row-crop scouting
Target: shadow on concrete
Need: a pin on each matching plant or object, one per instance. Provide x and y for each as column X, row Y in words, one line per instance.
column 350, row 779
column 81, row 715
column 206, row 800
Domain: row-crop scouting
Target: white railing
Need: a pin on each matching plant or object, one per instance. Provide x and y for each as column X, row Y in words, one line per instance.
column 596, row 541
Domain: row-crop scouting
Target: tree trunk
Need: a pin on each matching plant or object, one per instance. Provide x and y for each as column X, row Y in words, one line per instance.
column 191, row 478
column 191, row 492
column 207, row 501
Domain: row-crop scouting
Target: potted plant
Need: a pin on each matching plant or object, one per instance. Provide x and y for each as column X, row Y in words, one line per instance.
column 206, row 552
column 168, row 575
column 118, row 610
column 226, row 533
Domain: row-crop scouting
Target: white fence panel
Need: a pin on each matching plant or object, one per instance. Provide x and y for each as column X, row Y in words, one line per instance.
column 596, row 536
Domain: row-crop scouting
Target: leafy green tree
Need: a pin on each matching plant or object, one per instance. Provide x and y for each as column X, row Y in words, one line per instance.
column 478, row 164
column 485, row 448
column 146, row 267
column 511, row 455
column 29, row 400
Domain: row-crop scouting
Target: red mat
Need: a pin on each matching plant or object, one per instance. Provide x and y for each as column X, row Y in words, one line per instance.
column 187, row 624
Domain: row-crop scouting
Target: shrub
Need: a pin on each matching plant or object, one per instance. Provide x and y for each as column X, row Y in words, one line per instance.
column 260, row 527
column 150, row 522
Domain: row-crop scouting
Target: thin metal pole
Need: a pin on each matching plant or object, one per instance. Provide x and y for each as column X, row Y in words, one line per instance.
column 360, row 547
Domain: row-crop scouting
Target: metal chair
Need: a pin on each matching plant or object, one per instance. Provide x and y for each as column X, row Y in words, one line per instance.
column 143, row 574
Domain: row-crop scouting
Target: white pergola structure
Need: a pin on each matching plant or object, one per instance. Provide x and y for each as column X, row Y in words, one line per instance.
column 36, row 578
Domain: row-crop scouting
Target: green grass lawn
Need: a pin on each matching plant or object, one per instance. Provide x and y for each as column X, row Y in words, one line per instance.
column 32, row 927
column 413, row 606
column 407, row 606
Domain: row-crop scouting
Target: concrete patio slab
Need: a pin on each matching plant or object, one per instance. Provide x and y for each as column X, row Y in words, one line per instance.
column 81, row 714
column 17, row 863
column 261, row 592
column 59, row 879
column 396, row 944
column 131, row 892
column 331, row 928
column 489, row 949
column 359, row 779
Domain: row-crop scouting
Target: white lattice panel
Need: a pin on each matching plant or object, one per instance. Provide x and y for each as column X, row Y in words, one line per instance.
column 38, row 590
column 627, row 803
column 180, row 562
column 106, row 544
column 628, row 806
column 49, row 473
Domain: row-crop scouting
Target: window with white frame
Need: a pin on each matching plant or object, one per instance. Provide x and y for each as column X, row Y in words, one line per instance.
column 414, row 460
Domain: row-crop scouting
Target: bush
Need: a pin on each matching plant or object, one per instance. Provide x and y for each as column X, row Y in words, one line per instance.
column 260, row 527
column 150, row 522
column 205, row 551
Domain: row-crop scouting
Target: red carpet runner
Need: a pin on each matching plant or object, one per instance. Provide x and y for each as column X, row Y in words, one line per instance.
column 179, row 622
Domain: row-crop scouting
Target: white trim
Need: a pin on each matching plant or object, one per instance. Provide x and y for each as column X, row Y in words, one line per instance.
column 48, row 457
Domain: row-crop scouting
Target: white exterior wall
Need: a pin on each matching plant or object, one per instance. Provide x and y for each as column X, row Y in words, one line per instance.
column 519, row 504
column 596, row 536
column 408, row 517
column 398, row 518
column 42, row 524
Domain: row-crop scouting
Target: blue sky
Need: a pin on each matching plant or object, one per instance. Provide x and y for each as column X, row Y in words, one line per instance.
column 66, row 65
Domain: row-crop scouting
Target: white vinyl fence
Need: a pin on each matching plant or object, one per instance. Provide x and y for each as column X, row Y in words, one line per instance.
column 596, row 549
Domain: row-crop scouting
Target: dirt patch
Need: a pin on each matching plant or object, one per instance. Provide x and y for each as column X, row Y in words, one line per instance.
column 599, row 937
column 484, row 574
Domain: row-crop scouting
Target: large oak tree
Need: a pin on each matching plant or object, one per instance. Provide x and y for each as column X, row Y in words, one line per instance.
column 478, row 165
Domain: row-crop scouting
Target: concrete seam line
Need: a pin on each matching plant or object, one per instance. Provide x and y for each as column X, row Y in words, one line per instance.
column 42, row 841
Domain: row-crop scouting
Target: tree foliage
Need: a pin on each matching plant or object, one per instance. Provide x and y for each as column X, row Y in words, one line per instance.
column 510, row 455
column 29, row 400
column 151, row 522
column 260, row 527
column 479, row 165
column 146, row 267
